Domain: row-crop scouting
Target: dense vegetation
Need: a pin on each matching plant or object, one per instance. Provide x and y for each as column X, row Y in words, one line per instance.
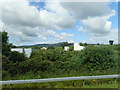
column 55, row 62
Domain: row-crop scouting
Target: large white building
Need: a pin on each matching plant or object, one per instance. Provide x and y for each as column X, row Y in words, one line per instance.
column 26, row 51
column 66, row 48
column 45, row 48
column 77, row 47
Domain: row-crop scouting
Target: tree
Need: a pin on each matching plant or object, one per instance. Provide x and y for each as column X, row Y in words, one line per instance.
column 51, row 47
column 111, row 42
column 81, row 44
column 4, row 37
column 98, row 58
column 63, row 44
column 85, row 44
column 16, row 56
column 6, row 63
column 12, row 46
column 71, row 48
column 98, row 43
column 5, row 44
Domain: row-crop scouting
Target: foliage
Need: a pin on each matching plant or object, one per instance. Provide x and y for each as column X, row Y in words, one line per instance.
column 4, row 37
column 36, row 47
column 63, row 44
column 98, row 43
column 5, row 63
column 91, row 58
column 55, row 62
column 5, row 44
column 51, row 47
column 98, row 58
column 71, row 48
column 16, row 56
column 111, row 42
column 12, row 46
column 81, row 44
column 85, row 44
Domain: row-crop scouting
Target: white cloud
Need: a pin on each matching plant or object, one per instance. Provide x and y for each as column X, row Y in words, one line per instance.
column 21, row 13
column 99, row 29
column 55, row 16
column 1, row 26
column 42, row 37
column 67, row 35
column 97, row 26
column 61, row 36
column 26, row 23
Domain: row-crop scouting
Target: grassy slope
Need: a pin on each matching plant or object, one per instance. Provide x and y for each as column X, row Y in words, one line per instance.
column 102, row 86
column 60, row 85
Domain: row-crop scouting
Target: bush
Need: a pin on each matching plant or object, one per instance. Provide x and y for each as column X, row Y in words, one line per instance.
column 71, row 48
column 16, row 56
column 57, row 62
column 98, row 58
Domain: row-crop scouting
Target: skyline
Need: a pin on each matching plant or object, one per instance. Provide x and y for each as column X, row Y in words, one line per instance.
column 29, row 23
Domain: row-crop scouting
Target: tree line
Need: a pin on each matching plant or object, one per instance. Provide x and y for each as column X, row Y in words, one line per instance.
column 92, row 58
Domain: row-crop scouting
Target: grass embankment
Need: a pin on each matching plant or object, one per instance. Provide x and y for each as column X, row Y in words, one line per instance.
column 65, row 84
column 96, row 83
column 60, row 73
column 102, row 86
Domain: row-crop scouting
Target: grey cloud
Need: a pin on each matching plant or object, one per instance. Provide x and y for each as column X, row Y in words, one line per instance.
column 20, row 32
column 31, row 32
column 83, row 10
column 28, row 34
column 113, row 35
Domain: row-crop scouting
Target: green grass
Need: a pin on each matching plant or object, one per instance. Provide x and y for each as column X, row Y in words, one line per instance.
column 97, row 83
column 56, row 74
column 102, row 86
column 64, row 84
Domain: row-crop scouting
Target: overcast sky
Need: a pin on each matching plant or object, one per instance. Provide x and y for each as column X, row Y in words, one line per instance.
column 52, row 22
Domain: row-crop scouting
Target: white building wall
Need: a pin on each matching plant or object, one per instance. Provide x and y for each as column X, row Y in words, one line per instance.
column 77, row 47
column 44, row 48
column 66, row 48
column 20, row 50
column 28, row 51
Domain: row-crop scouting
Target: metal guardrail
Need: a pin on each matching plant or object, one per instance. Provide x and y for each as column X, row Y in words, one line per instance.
column 59, row 79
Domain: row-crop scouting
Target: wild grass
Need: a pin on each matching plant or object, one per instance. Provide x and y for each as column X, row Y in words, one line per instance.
column 67, row 84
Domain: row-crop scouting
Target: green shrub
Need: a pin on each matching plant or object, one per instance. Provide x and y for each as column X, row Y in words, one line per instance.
column 98, row 58
column 16, row 56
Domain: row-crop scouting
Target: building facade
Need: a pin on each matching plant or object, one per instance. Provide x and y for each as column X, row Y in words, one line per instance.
column 77, row 47
column 66, row 48
column 26, row 51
